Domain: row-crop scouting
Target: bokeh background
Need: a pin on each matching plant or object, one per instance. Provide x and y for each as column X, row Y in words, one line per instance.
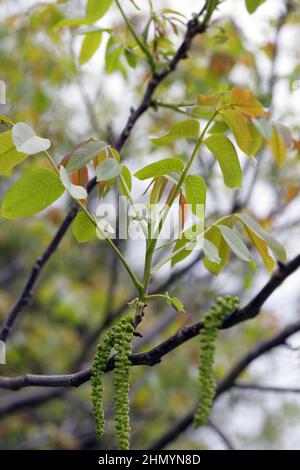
column 82, row 284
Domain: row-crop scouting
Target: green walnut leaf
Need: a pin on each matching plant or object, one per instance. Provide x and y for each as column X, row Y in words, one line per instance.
column 224, row 151
column 84, row 153
column 26, row 140
column 274, row 245
column 83, row 228
column 215, row 237
column 188, row 129
column 126, row 178
column 210, row 251
column 31, row 194
column 176, row 303
column 9, row 156
column 89, row 46
column 108, row 169
column 195, row 191
column 160, row 168
column 240, row 128
column 252, row 5
column 95, row 9
column 236, row 244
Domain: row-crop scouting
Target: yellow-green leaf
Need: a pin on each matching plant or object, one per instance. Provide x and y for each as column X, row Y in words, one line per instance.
column 126, row 176
column 95, row 9
column 225, row 153
column 89, row 46
column 160, row 168
column 209, row 101
column 215, row 237
column 278, row 148
column 9, row 156
column 243, row 100
column 31, row 194
column 257, row 139
column 195, row 191
column 252, row 5
column 240, row 128
column 236, row 244
column 262, row 248
column 273, row 244
column 83, row 228
column 188, row 129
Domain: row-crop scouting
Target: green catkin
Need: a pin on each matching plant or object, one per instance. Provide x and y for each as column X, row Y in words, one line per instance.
column 100, row 360
column 123, row 346
column 119, row 338
column 223, row 307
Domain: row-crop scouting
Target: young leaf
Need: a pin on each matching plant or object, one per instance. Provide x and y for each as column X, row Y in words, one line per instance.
column 9, row 156
column 243, row 100
column 83, row 229
column 89, row 46
column 75, row 191
column 158, row 189
column 104, row 229
column 71, row 23
column 225, row 153
column 95, row 9
column 182, row 211
column 31, row 194
column 210, row 251
column 257, row 139
column 26, row 141
column 176, row 304
column 195, row 191
column 262, row 248
column 209, row 101
column 252, row 5
column 113, row 52
column 285, row 133
column 273, row 244
column 278, row 148
column 108, row 170
column 84, row 153
column 160, row 168
column 128, row 180
column 236, row 244
column 188, row 129
column 263, row 126
column 186, row 241
column 214, row 236
column 218, row 128
column 240, row 128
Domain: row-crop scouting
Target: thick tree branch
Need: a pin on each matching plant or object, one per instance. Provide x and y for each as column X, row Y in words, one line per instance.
column 155, row 355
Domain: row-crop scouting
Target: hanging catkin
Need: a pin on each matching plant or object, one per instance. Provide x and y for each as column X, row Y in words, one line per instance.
column 208, row 336
column 119, row 338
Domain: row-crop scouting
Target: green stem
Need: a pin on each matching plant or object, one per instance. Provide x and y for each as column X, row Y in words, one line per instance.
column 152, row 244
column 156, row 296
column 137, row 39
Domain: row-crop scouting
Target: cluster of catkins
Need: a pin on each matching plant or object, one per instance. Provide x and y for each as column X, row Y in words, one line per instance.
column 213, row 320
column 119, row 338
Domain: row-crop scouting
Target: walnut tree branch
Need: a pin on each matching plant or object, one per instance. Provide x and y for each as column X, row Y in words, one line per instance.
column 155, row 355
